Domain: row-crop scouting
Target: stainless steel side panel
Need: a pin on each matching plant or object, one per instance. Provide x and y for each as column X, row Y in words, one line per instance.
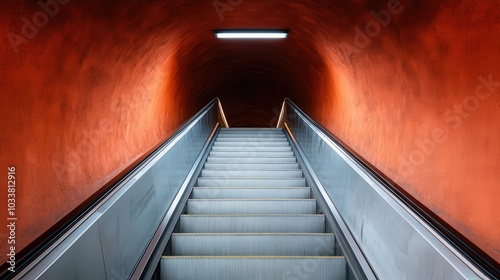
column 112, row 238
column 85, row 251
column 397, row 244
column 128, row 223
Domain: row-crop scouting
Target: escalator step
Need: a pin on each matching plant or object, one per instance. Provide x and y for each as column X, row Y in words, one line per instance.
column 250, row 166
column 252, row 149
column 251, row 206
column 251, row 182
column 253, row 139
column 254, row 160
column 252, row 223
column 252, row 244
column 253, row 267
column 250, row 143
column 252, row 154
column 252, row 173
column 265, row 134
column 250, row 193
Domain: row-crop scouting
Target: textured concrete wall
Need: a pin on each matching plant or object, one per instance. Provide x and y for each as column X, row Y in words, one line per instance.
column 421, row 102
column 412, row 86
column 80, row 101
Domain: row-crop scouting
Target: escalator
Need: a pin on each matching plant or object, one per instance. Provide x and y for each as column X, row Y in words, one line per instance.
column 214, row 202
column 251, row 216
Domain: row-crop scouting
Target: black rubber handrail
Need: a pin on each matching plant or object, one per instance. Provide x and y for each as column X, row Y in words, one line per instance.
column 487, row 266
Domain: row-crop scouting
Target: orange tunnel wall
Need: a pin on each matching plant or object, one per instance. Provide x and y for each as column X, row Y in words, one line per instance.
column 421, row 102
column 102, row 82
column 81, row 101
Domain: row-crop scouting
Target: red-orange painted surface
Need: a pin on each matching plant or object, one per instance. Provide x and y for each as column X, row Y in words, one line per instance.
column 416, row 94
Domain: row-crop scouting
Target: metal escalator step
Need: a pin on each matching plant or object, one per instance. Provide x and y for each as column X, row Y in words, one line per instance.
column 250, row 166
column 251, row 182
column 252, row 139
column 251, row 154
column 253, row 267
column 250, row 216
column 252, row 134
column 251, row 173
column 249, row 143
column 251, row 149
column 252, row 223
column 251, row 206
column 249, row 193
column 229, row 129
column 235, row 160
column 252, row 244
column 250, row 130
column 225, row 132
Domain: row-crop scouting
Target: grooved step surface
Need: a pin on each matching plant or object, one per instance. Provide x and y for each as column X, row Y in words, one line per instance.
column 251, row 166
column 253, row 139
column 249, row 193
column 251, row 149
column 251, row 160
column 275, row 132
column 254, row 268
column 252, row 135
column 237, row 130
column 250, row 129
column 252, row 173
column 252, row 244
column 252, row 223
column 250, row 216
column 250, row 206
column 252, row 154
column 249, row 143
column 251, row 182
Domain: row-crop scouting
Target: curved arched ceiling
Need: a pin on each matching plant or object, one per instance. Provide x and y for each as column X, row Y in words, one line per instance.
column 409, row 85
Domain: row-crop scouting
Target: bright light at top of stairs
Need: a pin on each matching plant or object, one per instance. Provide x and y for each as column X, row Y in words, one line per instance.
column 251, row 34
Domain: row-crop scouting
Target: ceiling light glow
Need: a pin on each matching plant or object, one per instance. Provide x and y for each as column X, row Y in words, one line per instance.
column 253, row 34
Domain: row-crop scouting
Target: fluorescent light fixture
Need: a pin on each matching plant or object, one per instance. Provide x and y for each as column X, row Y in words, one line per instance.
column 251, row 34
column 255, row 35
